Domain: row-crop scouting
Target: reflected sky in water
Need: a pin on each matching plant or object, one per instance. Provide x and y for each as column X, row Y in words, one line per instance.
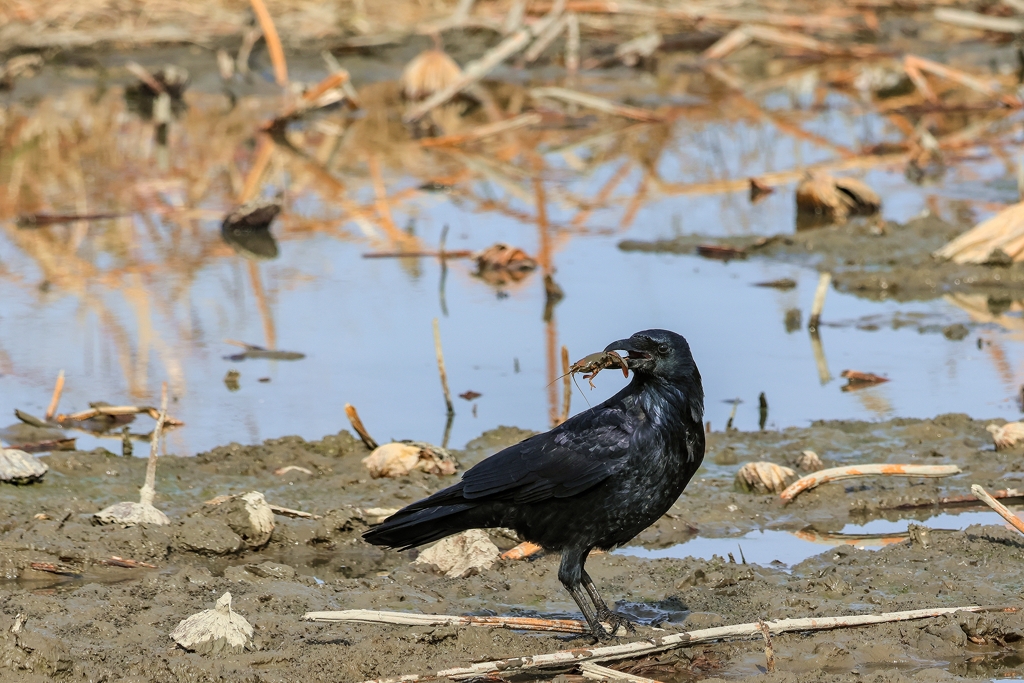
column 154, row 296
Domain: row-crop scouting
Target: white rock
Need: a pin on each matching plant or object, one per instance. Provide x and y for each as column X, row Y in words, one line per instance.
column 19, row 467
column 461, row 555
column 130, row 514
column 214, row 630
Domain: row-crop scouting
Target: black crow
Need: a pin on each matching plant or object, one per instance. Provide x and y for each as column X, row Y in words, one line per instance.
column 594, row 481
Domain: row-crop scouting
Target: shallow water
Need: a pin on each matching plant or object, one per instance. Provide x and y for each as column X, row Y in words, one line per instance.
column 788, row 548
column 122, row 305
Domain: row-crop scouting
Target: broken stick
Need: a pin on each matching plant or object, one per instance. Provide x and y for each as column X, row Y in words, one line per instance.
column 851, row 471
column 1004, row 512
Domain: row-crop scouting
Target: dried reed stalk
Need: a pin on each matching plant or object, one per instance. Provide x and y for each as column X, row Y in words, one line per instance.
column 598, row 103
column 149, row 488
column 1004, row 512
column 273, row 42
column 640, row 648
column 367, row 616
column 58, row 388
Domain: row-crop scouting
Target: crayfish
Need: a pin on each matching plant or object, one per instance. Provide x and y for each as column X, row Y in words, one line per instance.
column 596, row 362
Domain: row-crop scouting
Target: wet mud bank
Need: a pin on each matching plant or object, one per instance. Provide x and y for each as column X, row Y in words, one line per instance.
column 870, row 258
column 97, row 622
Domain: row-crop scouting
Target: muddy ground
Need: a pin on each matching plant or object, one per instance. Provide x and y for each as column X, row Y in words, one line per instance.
column 872, row 258
column 110, row 624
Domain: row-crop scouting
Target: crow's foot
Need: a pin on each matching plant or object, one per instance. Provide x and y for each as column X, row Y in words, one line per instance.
column 617, row 621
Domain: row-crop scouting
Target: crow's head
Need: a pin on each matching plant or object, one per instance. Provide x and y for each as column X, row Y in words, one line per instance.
column 660, row 354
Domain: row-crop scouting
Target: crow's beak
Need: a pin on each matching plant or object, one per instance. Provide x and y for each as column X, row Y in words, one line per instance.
column 630, row 345
column 622, row 345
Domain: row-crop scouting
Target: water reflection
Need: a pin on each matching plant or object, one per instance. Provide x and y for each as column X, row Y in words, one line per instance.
column 153, row 290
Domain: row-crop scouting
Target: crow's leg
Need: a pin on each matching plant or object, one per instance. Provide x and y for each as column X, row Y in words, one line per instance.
column 613, row 618
column 570, row 574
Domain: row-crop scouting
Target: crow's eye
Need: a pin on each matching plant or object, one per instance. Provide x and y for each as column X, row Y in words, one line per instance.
column 663, row 348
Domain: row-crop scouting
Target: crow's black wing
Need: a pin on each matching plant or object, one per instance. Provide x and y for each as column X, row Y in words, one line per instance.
column 568, row 460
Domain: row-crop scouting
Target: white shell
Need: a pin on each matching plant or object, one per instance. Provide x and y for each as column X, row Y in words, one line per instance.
column 397, row 459
column 810, row 462
column 461, row 555
column 130, row 514
column 19, row 467
column 764, row 477
column 1007, row 435
column 213, row 630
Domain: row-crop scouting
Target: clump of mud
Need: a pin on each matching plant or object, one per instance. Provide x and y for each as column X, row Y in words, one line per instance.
column 871, row 258
column 95, row 621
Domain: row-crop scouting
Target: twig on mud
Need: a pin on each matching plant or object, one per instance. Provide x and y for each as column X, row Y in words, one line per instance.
column 441, row 370
column 289, row 512
column 357, row 424
column 955, row 500
column 1004, row 512
column 648, row 646
column 115, row 561
column 837, row 473
column 115, row 411
column 58, row 388
column 596, row 103
column 769, row 651
column 368, row 616
column 824, row 280
column 566, row 384
column 54, row 568
column 521, row 551
column 149, row 488
column 596, row 672
column 476, row 70
column 273, row 42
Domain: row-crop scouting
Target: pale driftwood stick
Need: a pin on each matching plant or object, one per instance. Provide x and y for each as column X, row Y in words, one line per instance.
column 288, row 512
column 836, row 473
column 357, row 424
column 824, row 280
column 597, row 103
column 729, row 43
column 514, row 18
column 441, row 370
column 149, row 488
column 596, row 672
column 1004, row 512
column 572, row 44
column 545, row 39
column 58, row 388
column 476, row 70
column 648, row 646
column 369, row 616
column 979, row 21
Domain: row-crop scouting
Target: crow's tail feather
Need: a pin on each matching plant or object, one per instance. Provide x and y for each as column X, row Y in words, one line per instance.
column 410, row 528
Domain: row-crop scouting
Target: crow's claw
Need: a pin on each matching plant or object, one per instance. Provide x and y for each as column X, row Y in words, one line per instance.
column 616, row 620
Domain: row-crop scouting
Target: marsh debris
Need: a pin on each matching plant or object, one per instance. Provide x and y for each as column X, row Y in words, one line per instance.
column 859, row 380
column 762, row 476
column 461, row 555
column 19, row 467
column 253, row 352
column 398, row 458
column 1007, row 435
column 215, row 630
column 501, row 264
column 247, row 229
column 836, row 198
